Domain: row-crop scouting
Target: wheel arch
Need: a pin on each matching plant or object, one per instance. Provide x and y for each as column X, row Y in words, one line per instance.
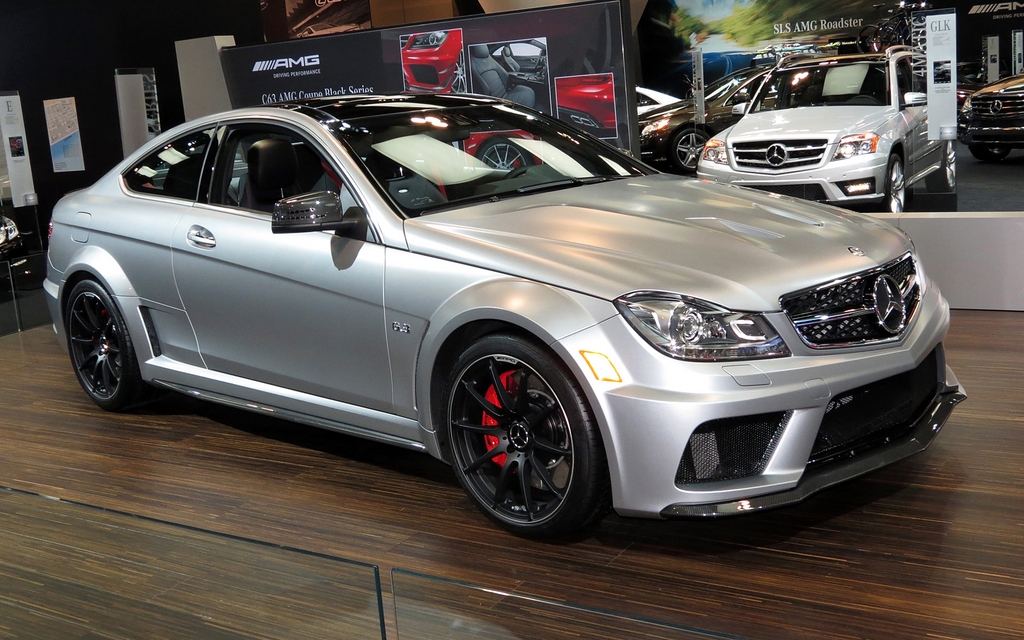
column 94, row 263
column 536, row 312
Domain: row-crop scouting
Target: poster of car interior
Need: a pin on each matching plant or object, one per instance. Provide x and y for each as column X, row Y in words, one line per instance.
column 65, row 139
column 516, row 56
column 733, row 34
column 18, row 167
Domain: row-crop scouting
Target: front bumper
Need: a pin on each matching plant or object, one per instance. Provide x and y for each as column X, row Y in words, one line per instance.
column 820, row 183
column 992, row 132
column 648, row 419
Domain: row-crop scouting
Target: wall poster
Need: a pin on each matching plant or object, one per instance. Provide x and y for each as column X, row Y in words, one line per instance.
column 566, row 61
column 65, row 138
column 16, row 168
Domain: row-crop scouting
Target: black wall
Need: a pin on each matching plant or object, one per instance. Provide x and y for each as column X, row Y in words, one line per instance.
column 64, row 48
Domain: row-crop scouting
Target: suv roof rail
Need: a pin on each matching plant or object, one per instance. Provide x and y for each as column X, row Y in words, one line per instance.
column 796, row 57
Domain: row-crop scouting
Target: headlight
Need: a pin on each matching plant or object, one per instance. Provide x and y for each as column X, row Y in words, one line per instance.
column 714, row 151
column 654, row 126
column 429, row 40
column 692, row 329
column 8, row 230
column 966, row 109
column 856, row 145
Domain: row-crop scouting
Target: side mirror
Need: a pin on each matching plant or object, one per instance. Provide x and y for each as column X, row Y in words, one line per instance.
column 316, row 211
column 915, row 99
column 739, row 109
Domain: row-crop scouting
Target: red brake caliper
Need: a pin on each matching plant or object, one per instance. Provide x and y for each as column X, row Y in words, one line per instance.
column 492, row 396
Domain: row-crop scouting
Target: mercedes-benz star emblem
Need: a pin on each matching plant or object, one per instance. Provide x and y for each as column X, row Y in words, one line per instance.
column 857, row 251
column 996, row 107
column 889, row 308
column 776, row 155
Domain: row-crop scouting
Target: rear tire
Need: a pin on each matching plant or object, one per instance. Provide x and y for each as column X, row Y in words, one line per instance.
column 522, row 439
column 988, row 153
column 101, row 349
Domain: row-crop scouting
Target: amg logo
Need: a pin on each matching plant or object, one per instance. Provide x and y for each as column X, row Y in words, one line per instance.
column 993, row 8
column 287, row 63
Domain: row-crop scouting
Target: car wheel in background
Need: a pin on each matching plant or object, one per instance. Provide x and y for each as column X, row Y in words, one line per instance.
column 459, row 84
column 687, row 145
column 101, row 349
column 988, row 153
column 499, row 153
column 895, row 186
column 522, row 440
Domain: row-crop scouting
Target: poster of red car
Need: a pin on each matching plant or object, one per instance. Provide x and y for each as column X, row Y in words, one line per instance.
column 434, row 61
column 588, row 102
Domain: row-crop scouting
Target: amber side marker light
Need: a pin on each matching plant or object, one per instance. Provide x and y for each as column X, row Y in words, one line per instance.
column 601, row 366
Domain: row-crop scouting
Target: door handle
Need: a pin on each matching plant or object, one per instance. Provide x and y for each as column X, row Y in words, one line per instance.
column 200, row 237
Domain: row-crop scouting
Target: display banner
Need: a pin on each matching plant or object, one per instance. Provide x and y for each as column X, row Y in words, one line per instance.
column 12, row 130
column 1017, row 50
column 65, row 137
column 698, row 86
column 939, row 45
column 566, row 61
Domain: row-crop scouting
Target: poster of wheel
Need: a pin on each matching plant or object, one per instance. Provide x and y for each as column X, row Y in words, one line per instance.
column 434, row 62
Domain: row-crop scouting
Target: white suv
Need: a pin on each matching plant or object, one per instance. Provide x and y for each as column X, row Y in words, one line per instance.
column 845, row 129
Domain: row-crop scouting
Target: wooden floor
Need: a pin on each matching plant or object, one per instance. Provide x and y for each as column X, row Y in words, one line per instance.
column 932, row 547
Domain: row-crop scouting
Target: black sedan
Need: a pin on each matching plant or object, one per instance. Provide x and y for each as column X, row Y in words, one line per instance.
column 671, row 133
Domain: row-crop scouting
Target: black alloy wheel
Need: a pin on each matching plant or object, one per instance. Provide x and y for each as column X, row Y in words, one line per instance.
column 101, row 349
column 988, row 153
column 687, row 145
column 522, row 439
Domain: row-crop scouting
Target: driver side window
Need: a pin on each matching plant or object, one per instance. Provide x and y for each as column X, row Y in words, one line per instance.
column 904, row 79
column 259, row 165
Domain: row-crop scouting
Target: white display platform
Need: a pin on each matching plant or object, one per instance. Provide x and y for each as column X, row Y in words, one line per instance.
column 977, row 258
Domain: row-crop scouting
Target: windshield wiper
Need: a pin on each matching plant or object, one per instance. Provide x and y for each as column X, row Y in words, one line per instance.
column 566, row 182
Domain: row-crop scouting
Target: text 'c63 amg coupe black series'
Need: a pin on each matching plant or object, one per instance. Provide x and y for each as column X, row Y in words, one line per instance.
column 572, row 333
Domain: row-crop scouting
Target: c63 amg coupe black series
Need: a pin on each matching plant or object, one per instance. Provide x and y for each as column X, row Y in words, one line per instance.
column 572, row 334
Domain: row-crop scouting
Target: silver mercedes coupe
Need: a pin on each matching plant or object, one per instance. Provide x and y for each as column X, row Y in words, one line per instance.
column 571, row 330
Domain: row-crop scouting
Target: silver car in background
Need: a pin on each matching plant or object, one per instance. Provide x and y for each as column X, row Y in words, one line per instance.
column 569, row 329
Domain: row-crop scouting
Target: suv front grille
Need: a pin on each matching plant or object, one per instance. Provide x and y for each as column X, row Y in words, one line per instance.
column 779, row 155
column 803, row 191
column 1009, row 106
column 872, row 415
column 845, row 312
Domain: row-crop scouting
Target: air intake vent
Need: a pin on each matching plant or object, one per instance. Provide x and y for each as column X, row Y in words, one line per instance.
column 731, row 448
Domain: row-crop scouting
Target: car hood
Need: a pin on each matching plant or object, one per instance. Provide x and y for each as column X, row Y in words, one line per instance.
column 804, row 122
column 667, row 111
column 737, row 247
column 1011, row 85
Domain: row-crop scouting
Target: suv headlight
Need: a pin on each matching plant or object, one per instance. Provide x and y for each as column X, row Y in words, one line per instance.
column 8, row 230
column 856, row 145
column 714, row 151
column 966, row 109
column 692, row 329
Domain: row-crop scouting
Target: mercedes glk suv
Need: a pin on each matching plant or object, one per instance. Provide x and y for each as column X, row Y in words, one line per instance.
column 850, row 130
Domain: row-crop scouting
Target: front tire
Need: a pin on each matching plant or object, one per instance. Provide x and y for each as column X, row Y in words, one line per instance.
column 101, row 349
column 895, row 186
column 987, row 153
column 687, row 145
column 522, row 439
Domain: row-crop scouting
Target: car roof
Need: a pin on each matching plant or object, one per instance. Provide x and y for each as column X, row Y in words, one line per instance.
column 811, row 60
column 362, row 105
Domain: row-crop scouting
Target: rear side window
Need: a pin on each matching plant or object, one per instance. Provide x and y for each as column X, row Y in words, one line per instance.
column 173, row 170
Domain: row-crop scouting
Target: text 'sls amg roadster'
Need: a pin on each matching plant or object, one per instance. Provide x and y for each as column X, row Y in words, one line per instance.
column 576, row 333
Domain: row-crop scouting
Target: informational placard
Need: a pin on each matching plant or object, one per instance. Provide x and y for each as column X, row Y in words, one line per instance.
column 698, row 86
column 12, row 130
column 566, row 61
column 990, row 51
column 1017, row 40
column 65, row 137
column 939, row 44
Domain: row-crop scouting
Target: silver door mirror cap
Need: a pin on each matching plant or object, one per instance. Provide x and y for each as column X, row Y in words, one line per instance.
column 915, row 99
column 739, row 109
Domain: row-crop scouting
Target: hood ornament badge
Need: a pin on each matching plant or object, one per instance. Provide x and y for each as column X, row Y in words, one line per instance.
column 857, row 251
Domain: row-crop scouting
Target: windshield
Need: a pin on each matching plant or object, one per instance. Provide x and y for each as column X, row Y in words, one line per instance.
column 429, row 159
column 721, row 87
column 850, row 84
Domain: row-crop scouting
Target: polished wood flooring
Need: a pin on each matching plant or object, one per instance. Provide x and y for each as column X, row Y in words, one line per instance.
column 932, row 547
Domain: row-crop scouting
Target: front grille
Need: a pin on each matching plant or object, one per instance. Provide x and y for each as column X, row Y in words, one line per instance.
column 730, row 448
column 1009, row 106
column 843, row 312
column 872, row 415
column 779, row 155
column 804, row 191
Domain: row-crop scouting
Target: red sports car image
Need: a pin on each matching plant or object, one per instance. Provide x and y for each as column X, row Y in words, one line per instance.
column 588, row 102
column 434, row 62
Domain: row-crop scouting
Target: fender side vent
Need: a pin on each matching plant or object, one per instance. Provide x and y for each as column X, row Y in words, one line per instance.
column 154, row 341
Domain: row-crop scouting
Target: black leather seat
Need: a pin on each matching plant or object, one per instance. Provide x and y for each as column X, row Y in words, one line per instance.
column 272, row 168
column 491, row 79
